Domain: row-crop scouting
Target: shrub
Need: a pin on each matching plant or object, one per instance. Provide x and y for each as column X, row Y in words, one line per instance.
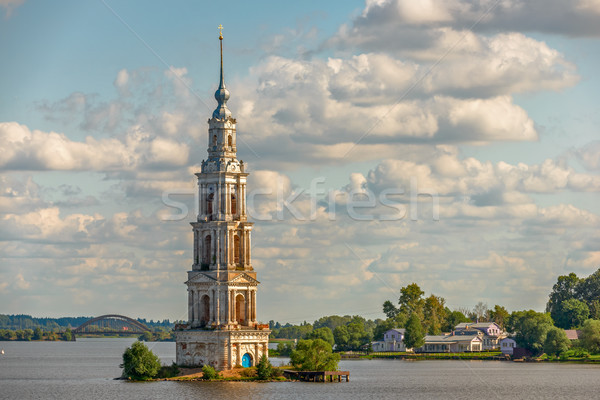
column 168, row 371
column 209, row 373
column 264, row 369
column 248, row 372
column 139, row 363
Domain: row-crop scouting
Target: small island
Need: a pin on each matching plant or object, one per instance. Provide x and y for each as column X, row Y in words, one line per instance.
column 311, row 360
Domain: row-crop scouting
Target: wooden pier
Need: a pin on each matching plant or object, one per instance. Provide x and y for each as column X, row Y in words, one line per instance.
column 317, row 376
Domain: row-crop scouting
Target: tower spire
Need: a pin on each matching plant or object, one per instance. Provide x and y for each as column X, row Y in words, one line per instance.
column 222, row 94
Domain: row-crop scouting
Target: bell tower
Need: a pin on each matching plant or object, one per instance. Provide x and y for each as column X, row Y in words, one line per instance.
column 222, row 328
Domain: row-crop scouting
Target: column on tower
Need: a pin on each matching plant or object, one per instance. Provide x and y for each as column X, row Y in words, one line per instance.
column 190, row 305
column 228, row 305
column 195, row 247
column 228, row 200
column 254, row 305
column 218, row 306
column 196, row 306
column 248, row 260
column 247, row 306
column 243, row 199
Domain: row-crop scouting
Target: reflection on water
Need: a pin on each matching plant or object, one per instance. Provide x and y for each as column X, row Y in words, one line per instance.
column 86, row 368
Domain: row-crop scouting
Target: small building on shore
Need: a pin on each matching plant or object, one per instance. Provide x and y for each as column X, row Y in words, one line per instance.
column 451, row 343
column 393, row 340
column 491, row 332
column 507, row 345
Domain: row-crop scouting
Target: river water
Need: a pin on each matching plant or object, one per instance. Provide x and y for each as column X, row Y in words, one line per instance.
column 86, row 368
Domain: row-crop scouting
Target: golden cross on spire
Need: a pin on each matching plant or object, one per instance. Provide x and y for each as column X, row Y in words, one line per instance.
column 220, row 31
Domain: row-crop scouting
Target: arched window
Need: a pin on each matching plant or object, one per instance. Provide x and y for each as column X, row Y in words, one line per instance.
column 233, row 204
column 229, row 141
column 236, row 249
column 240, row 309
column 207, row 250
column 214, row 140
column 205, row 310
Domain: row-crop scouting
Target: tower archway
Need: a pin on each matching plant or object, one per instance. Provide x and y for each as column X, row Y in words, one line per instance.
column 205, row 307
column 240, row 309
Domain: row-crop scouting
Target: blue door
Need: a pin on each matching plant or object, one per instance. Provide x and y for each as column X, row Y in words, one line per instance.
column 246, row 361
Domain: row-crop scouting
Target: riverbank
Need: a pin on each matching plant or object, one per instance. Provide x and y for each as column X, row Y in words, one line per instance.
column 237, row 374
column 471, row 356
column 487, row 355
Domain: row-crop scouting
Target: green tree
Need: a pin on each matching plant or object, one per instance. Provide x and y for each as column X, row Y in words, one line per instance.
column 27, row 334
column 264, row 369
column 7, row 334
column 401, row 319
column 411, row 300
column 571, row 313
column 589, row 289
column 414, row 336
column 314, row 355
column 590, row 336
column 454, row 318
column 434, row 314
column 68, row 335
column 139, row 363
column 38, row 334
column 352, row 336
column 285, row 349
column 556, row 342
column 146, row 337
column 564, row 289
column 530, row 328
column 389, row 309
column 332, row 321
column 594, row 309
column 499, row 315
column 322, row 333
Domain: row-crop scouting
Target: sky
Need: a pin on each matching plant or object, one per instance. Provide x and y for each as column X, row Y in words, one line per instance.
column 450, row 143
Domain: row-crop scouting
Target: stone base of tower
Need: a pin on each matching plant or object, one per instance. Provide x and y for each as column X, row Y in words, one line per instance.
column 221, row 349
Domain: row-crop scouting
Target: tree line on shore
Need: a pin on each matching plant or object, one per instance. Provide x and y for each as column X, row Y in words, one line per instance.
column 574, row 303
column 23, row 321
column 35, row 334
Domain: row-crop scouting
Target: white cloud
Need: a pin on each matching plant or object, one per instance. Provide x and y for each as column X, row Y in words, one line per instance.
column 24, row 149
column 383, row 20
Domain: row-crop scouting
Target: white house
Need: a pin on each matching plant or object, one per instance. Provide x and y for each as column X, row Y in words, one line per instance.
column 507, row 345
column 492, row 333
column 393, row 340
column 451, row 343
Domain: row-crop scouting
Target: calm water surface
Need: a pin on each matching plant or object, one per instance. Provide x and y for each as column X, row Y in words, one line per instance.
column 86, row 368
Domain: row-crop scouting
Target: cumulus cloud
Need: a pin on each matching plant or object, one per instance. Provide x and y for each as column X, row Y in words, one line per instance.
column 279, row 120
column 385, row 23
column 27, row 150
column 488, row 182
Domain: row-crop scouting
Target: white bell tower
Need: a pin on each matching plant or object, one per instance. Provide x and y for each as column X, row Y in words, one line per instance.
column 222, row 328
